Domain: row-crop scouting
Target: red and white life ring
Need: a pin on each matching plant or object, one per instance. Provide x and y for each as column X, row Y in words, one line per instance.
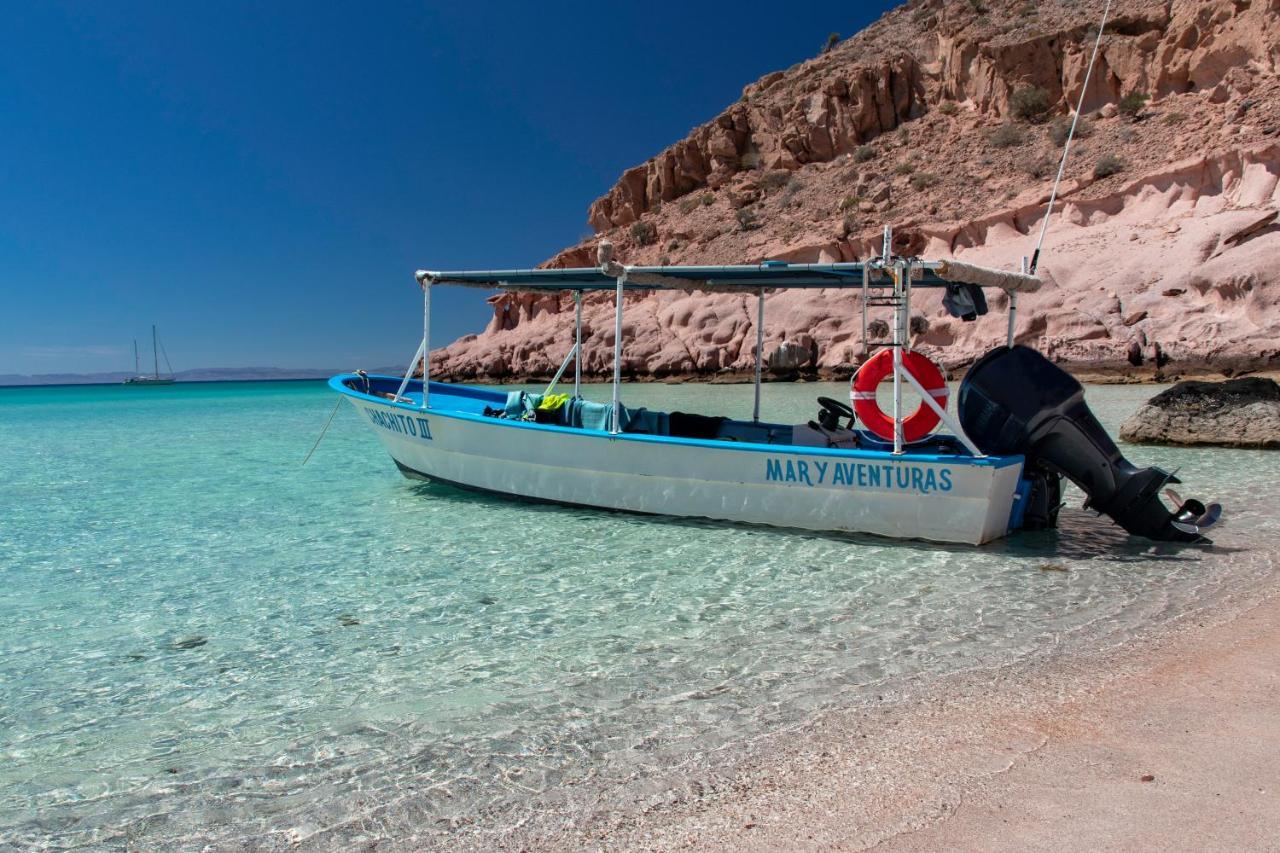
column 862, row 393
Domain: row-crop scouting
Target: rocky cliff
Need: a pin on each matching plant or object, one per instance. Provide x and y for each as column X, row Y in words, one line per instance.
column 945, row 119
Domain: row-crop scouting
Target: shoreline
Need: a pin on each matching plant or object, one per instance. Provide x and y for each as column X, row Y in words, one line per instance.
column 1049, row 753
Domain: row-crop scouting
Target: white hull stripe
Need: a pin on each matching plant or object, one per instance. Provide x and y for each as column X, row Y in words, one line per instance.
column 939, row 497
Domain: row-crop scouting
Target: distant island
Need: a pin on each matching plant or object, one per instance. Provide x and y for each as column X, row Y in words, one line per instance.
column 200, row 374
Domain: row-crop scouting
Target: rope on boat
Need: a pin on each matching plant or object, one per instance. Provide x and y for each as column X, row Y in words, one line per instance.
column 323, row 431
column 165, row 353
column 1066, row 150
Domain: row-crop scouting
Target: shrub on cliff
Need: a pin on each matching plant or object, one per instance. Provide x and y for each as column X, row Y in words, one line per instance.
column 1006, row 135
column 1062, row 126
column 775, row 179
column 863, row 153
column 644, row 233
column 747, row 219
column 1030, row 104
column 788, row 195
column 1107, row 165
column 921, row 181
column 1132, row 104
column 832, row 40
column 1039, row 167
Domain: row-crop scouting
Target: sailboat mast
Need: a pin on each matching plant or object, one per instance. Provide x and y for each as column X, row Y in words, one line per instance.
column 136, row 369
column 155, row 355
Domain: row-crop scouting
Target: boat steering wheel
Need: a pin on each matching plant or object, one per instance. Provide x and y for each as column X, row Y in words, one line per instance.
column 832, row 411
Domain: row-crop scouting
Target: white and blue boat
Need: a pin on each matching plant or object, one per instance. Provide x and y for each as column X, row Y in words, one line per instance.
column 1021, row 424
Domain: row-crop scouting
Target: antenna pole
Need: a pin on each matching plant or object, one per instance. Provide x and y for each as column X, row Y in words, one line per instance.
column 755, row 410
column 577, row 344
column 1066, row 149
column 615, row 424
column 426, row 343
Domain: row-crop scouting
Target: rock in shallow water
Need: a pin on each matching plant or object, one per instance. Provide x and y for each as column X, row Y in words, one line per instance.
column 1236, row 413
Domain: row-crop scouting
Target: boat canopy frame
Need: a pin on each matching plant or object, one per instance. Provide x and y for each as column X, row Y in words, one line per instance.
column 887, row 272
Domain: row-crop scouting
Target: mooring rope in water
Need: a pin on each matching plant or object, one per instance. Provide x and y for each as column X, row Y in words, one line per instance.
column 323, row 431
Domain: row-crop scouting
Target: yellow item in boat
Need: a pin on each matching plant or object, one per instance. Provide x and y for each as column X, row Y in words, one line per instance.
column 553, row 402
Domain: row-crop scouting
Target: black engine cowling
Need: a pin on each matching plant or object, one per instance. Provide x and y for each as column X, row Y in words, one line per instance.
column 1016, row 401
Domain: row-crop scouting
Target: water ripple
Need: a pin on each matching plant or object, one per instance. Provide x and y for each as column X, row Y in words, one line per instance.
column 206, row 643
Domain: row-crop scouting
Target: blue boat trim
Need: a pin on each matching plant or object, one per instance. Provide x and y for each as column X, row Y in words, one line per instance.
column 1021, row 499
column 337, row 383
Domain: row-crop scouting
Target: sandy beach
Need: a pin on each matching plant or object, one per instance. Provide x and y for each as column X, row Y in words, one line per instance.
column 1181, row 753
column 1168, row 744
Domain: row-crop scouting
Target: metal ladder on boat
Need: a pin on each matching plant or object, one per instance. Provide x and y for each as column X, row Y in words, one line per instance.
column 898, row 299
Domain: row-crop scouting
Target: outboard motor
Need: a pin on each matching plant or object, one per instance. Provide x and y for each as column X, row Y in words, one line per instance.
column 1016, row 401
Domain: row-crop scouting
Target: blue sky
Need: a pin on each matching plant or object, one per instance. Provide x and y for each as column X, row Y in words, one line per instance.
column 261, row 179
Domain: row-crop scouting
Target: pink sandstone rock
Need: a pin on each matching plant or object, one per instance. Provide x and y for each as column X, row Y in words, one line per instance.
column 1174, row 259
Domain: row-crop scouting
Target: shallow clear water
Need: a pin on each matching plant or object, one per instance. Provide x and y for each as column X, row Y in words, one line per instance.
column 205, row 642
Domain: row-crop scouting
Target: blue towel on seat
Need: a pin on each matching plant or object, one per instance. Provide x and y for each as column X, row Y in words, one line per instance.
column 521, row 403
column 587, row 415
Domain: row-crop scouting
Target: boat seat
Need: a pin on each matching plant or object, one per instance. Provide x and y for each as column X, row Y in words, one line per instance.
column 584, row 414
column 754, row 433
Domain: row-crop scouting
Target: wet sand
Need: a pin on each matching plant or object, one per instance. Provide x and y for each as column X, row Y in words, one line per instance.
column 1172, row 743
column 1185, row 755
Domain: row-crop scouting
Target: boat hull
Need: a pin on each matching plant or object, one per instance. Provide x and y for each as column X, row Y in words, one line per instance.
column 937, row 498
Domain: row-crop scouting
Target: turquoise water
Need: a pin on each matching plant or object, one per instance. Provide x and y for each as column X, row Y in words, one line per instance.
column 206, row 643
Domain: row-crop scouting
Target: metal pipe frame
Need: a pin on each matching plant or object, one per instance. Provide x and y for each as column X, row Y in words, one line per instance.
column 564, row 365
column 755, row 411
column 898, row 343
column 1013, row 317
column 615, row 423
column 413, row 362
column 426, row 344
column 866, row 291
column 577, row 343
column 952, row 423
column 1013, row 306
column 906, row 305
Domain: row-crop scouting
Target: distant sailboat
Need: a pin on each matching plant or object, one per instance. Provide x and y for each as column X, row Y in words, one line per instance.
column 155, row 378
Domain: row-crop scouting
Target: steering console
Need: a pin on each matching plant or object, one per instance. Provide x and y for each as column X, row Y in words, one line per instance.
column 831, row 412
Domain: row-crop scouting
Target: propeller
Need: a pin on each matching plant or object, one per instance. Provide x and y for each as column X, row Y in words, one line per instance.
column 1192, row 516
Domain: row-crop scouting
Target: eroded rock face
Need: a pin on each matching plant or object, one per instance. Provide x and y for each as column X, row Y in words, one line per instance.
column 828, row 106
column 1237, row 413
column 1166, row 267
